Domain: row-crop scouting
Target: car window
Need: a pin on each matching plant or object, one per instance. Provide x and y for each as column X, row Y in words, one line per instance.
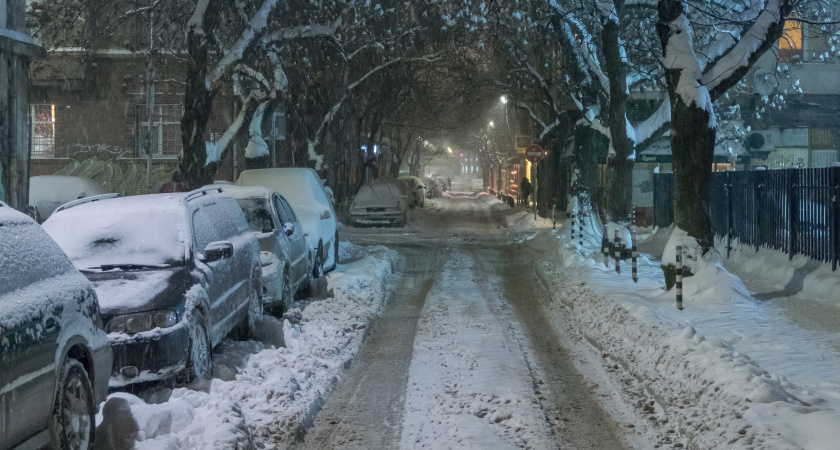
column 288, row 214
column 28, row 255
column 206, row 228
column 257, row 213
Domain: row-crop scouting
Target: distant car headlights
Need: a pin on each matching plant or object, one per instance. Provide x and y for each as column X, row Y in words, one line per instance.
column 136, row 323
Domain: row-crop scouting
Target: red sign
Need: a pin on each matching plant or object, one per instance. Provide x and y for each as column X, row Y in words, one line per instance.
column 534, row 153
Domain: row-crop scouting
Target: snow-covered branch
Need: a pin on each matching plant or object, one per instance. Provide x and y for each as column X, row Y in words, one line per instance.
column 257, row 24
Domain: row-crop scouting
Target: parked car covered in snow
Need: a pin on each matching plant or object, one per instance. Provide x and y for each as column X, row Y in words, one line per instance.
column 433, row 188
column 284, row 253
column 54, row 355
column 48, row 192
column 380, row 202
column 302, row 188
column 175, row 273
column 415, row 189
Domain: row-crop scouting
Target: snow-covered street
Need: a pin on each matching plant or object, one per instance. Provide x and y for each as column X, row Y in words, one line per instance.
column 478, row 327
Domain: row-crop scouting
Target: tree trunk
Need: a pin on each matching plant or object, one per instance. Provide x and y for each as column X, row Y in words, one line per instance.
column 619, row 189
column 692, row 140
column 589, row 144
column 198, row 102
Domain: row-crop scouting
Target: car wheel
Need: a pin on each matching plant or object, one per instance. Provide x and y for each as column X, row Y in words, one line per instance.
column 74, row 417
column 335, row 259
column 256, row 308
column 318, row 267
column 200, row 359
column 288, row 293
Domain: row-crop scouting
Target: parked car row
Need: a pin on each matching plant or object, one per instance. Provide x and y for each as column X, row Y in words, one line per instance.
column 111, row 291
column 414, row 189
column 434, row 188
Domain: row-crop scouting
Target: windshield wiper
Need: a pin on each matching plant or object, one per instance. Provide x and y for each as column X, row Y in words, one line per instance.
column 126, row 267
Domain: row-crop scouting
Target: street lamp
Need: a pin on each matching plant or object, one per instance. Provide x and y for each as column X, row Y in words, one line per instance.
column 449, row 149
column 491, row 124
column 504, row 99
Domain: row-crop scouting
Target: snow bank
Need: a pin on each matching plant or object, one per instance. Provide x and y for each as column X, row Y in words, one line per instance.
column 727, row 371
column 264, row 395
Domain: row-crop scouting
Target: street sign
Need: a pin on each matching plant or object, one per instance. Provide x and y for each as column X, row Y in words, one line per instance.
column 534, row 153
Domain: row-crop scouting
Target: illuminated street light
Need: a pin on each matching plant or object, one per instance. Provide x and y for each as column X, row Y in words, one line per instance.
column 449, row 149
column 504, row 99
column 491, row 124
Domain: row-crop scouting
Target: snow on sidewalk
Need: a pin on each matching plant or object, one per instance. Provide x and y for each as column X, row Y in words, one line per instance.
column 469, row 382
column 262, row 395
column 719, row 369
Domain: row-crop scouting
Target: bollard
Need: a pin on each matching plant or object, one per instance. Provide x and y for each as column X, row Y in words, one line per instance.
column 572, row 228
column 605, row 244
column 617, row 246
column 553, row 217
column 580, row 235
column 679, row 277
column 634, row 255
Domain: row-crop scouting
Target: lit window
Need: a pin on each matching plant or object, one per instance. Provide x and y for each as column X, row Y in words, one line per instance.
column 43, row 131
column 790, row 44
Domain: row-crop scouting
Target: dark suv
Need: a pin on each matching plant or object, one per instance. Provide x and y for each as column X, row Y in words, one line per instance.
column 54, row 354
column 175, row 273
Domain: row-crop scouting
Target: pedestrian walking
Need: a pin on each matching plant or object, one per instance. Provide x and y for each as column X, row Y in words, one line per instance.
column 527, row 190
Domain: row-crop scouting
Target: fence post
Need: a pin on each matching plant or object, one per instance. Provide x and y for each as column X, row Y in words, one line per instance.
column 679, row 277
column 793, row 212
column 553, row 217
column 728, row 188
column 617, row 252
column 634, row 255
column 834, row 216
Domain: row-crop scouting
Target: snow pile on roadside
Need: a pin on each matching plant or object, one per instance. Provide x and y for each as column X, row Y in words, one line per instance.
column 262, row 395
column 718, row 368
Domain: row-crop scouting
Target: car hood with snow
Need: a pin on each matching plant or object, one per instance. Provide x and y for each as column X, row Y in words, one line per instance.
column 127, row 291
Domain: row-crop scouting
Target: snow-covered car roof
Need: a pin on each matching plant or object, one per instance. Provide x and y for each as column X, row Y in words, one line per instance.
column 300, row 186
column 239, row 192
column 143, row 229
column 48, row 192
column 378, row 193
column 32, row 269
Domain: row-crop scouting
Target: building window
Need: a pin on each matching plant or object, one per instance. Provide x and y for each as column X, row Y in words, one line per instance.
column 790, row 44
column 43, row 131
column 165, row 138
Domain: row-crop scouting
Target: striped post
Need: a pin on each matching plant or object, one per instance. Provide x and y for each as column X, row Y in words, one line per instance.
column 679, row 277
column 617, row 247
column 634, row 255
column 553, row 217
column 580, row 235
column 605, row 244
column 572, row 229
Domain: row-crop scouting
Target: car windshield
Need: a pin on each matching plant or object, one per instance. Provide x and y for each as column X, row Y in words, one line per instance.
column 257, row 213
column 120, row 239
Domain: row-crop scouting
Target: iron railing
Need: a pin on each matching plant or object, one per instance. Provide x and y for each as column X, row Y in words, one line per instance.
column 794, row 211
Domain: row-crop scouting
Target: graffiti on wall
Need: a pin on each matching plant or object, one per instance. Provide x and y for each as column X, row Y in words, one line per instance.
column 124, row 176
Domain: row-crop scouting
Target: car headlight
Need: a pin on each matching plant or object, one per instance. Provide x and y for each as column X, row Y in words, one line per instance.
column 136, row 323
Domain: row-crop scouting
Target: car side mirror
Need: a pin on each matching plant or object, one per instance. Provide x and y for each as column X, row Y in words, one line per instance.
column 289, row 228
column 216, row 251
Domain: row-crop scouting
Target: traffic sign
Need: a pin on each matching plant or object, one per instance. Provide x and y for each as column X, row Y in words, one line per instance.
column 534, row 153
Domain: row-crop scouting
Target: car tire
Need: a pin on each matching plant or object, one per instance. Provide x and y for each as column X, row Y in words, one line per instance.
column 335, row 258
column 318, row 265
column 73, row 420
column 256, row 309
column 288, row 293
column 200, row 358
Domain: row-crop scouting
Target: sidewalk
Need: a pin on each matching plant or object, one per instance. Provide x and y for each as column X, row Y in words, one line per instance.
column 730, row 370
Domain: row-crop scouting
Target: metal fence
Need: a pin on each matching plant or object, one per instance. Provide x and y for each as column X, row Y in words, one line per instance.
column 794, row 211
